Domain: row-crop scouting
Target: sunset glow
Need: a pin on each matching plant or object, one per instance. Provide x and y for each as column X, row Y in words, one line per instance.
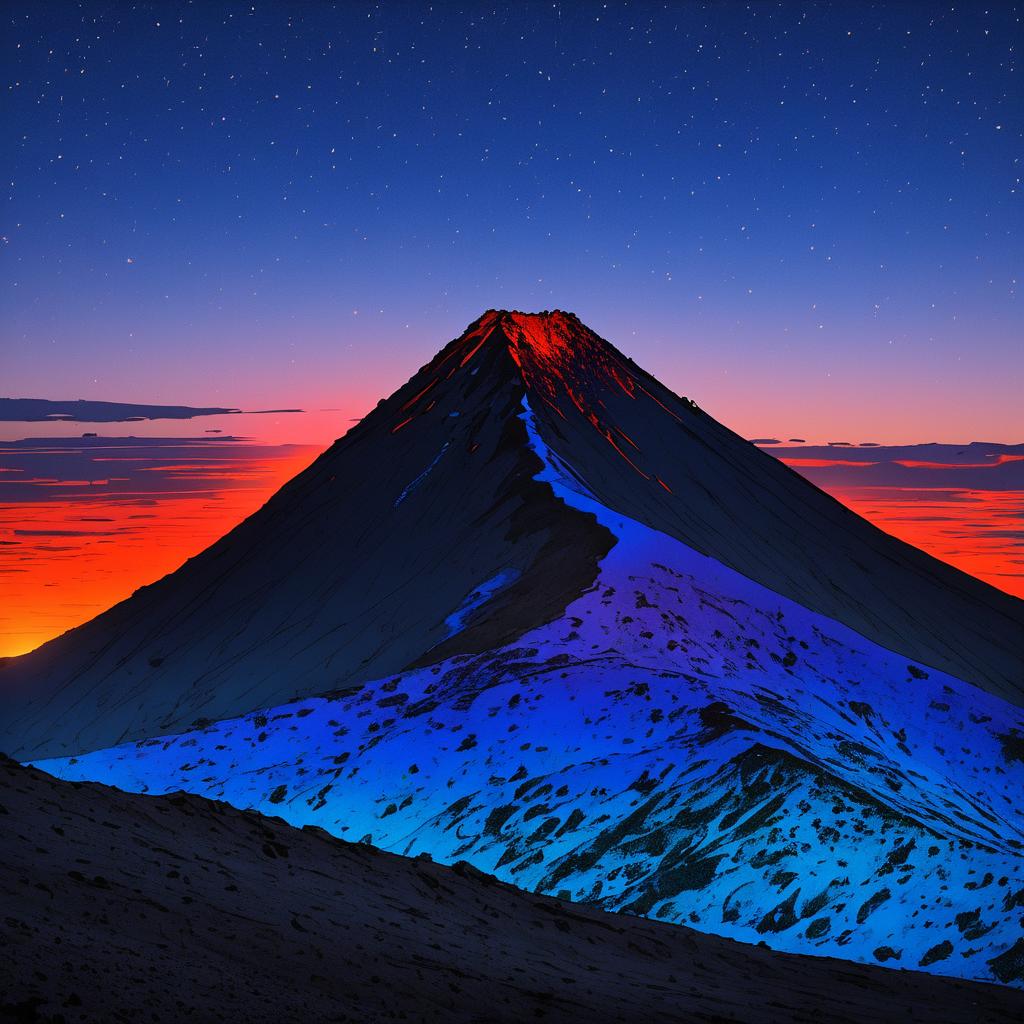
column 65, row 559
column 84, row 533
column 968, row 529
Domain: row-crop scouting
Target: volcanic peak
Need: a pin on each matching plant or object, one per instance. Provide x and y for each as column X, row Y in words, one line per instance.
column 550, row 336
column 556, row 354
column 561, row 363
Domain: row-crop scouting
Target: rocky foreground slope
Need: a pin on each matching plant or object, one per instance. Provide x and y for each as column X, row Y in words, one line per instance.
column 163, row 909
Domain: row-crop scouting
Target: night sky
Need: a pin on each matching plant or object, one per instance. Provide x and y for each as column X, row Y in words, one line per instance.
column 808, row 218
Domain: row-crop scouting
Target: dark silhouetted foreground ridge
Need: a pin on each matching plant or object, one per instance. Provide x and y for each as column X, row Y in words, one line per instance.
column 164, row 909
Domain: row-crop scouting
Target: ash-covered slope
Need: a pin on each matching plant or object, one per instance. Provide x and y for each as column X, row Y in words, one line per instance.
column 422, row 534
column 125, row 908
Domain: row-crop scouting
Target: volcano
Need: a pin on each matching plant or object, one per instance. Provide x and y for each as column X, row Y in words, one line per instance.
column 359, row 566
column 538, row 613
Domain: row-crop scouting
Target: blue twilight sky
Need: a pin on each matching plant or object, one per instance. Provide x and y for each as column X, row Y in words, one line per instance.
column 806, row 216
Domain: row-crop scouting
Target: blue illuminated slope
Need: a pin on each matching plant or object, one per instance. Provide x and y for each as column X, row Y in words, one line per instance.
column 681, row 743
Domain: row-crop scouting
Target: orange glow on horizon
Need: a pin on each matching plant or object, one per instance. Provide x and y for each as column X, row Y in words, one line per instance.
column 77, row 557
column 67, row 557
column 960, row 527
column 798, row 463
column 999, row 460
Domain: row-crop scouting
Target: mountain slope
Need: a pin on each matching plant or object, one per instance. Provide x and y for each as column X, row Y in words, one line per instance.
column 684, row 474
column 682, row 743
column 364, row 564
column 180, row 908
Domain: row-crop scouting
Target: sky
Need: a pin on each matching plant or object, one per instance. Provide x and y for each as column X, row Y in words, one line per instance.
column 807, row 217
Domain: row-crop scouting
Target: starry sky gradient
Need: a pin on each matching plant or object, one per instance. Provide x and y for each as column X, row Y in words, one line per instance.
column 807, row 217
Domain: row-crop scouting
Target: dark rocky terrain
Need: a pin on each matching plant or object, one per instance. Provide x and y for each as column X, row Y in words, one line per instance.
column 119, row 907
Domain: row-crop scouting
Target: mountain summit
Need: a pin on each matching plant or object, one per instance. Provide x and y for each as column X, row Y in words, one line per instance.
column 359, row 566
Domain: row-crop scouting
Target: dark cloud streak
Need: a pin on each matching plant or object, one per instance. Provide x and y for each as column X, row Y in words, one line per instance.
column 43, row 410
